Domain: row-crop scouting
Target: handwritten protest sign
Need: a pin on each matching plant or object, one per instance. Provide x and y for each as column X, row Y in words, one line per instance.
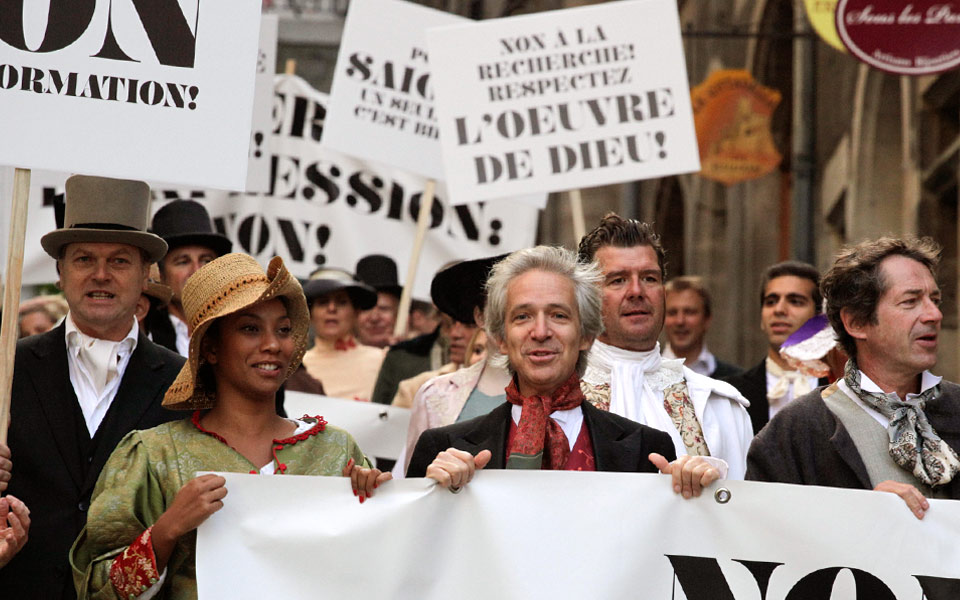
column 563, row 99
column 381, row 100
column 160, row 90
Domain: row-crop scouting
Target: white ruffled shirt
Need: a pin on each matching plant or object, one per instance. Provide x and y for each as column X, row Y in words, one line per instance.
column 637, row 383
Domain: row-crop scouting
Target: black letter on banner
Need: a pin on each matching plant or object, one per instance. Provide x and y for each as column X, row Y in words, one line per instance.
column 165, row 26
column 819, row 586
column 66, row 22
column 289, row 233
column 702, row 579
column 939, row 588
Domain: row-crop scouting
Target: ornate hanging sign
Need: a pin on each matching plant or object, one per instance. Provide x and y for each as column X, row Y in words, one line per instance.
column 732, row 113
column 921, row 37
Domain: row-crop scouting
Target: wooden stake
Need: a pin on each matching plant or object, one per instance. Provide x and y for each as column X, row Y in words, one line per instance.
column 291, row 67
column 423, row 219
column 11, row 293
column 576, row 210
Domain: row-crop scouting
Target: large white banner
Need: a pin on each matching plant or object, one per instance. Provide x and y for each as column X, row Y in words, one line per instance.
column 322, row 208
column 563, row 100
column 529, row 535
column 380, row 429
column 381, row 100
column 158, row 90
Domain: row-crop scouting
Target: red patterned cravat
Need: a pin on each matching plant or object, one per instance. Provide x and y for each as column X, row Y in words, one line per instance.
column 344, row 344
column 537, row 430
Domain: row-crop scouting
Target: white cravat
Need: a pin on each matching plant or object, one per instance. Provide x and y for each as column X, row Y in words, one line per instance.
column 633, row 375
column 183, row 335
column 96, row 367
column 786, row 385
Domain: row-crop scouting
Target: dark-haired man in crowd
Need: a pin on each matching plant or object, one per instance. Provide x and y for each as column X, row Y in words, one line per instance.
column 789, row 296
column 888, row 424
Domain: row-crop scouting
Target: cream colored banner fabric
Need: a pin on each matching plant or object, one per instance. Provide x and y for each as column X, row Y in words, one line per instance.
column 572, row 535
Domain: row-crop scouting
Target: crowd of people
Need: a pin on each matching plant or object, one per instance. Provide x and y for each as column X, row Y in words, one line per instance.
column 172, row 356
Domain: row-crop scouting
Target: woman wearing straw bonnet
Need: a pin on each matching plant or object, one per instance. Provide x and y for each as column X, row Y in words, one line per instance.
column 249, row 334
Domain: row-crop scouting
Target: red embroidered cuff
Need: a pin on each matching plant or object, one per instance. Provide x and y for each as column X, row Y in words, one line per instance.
column 134, row 571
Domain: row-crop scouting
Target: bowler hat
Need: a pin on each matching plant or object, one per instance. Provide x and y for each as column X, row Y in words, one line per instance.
column 325, row 281
column 101, row 209
column 459, row 288
column 380, row 273
column 187, row 223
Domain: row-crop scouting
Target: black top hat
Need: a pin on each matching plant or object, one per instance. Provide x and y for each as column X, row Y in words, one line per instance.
column 102, row 209
column 380, row 273
column 187, row 223
column 459, row 288
column 325, row 281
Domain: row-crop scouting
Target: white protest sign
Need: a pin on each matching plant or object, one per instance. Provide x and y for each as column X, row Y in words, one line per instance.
column 539, row 534
column 380, row 430
column 563, row 100
column 258, row 171
column 322, row 208
column 159, row 91
column 381, row 100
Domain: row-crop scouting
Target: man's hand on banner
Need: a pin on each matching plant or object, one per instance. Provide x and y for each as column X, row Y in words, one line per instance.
column 363, row 480
column 14, row 526
column 194, row 503
column 917, row 504
column 690, row 473
column 454, row 468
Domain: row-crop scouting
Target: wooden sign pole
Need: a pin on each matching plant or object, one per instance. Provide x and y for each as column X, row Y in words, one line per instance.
column 423, row 219
column 11, row 293
column 576, row 210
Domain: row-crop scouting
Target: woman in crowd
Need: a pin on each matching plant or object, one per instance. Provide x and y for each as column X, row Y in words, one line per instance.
column 346, row 368
column 249, row 334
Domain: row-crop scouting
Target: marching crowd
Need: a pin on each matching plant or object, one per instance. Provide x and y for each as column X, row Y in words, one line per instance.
column 168, row 355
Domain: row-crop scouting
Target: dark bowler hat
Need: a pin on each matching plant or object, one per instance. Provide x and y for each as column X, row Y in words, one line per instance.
column 325, row 281
column 380, row 273
column 101, row 209
column 459, row 288
column 187, row 223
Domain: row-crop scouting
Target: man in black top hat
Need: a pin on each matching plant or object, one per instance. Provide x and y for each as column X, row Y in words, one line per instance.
column 79, row 388
column 185, row 226
column 375, row 326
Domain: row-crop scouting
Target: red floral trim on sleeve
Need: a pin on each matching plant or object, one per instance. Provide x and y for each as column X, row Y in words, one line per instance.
column 279, row 444
column 135, row 570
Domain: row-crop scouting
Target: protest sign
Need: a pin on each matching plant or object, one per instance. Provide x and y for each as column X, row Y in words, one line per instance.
column 539, row 534
column 159, row 91
column 261, row 146
column 380, row 430
column 381, row 100
column 322, row 208
column 562, row 100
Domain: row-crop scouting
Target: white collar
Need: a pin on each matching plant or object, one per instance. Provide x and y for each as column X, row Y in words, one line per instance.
column 927, row 381
column 706, row 359
column 75, row 337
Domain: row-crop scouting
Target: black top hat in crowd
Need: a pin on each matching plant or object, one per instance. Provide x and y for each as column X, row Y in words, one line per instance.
column 326, row 281
column 187, row 223
column 380, row 273
column 459, row 288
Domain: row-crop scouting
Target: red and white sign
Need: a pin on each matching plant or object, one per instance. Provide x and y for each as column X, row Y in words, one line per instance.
column 915, row 38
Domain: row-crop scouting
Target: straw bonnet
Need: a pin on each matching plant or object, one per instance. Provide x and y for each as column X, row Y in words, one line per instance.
column 459, row 288
column 187, row 223
column 101, row 209
column 326, row 281
column 224, row 286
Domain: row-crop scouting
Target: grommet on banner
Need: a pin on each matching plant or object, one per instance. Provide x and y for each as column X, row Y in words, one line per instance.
column 722, row 495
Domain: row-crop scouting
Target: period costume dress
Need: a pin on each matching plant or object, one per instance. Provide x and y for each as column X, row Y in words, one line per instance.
column 345, row 368
column 113, row 557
